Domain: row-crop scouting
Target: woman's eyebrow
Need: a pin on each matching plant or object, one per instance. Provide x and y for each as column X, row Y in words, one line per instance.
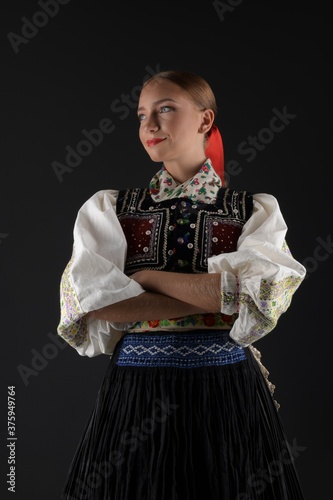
column 158, row 102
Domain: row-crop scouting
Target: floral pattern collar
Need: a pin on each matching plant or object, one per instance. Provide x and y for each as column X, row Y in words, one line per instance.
column 202, row 187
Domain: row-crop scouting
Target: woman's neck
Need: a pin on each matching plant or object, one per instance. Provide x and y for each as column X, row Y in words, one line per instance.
column 183, row 171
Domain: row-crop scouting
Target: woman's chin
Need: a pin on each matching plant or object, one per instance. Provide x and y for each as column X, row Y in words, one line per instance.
column 156, row 158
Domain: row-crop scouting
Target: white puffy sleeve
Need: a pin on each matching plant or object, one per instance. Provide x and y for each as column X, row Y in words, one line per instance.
column 94, row 277
column 259, row 279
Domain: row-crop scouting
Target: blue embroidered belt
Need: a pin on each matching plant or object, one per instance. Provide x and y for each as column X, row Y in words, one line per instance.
column 180, row 350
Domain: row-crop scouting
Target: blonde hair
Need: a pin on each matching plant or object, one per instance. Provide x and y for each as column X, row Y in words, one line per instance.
column 196, row 87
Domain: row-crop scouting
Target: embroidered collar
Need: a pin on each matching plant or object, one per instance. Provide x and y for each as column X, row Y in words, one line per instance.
column 203, row 187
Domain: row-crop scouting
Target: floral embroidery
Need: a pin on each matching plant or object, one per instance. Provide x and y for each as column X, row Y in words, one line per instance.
column 72, row 326
column 208, row 320
column 153, row 323
column 285, row 248
column 274, row 299
column 228, row 298
column 206, row 177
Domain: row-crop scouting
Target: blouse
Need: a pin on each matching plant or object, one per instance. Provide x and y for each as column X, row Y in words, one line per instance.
column 258, row 280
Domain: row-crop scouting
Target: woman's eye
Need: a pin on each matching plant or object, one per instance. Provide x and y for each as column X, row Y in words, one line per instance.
column 165, row 109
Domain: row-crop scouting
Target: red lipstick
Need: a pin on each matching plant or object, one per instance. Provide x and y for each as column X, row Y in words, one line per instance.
column 152, row 142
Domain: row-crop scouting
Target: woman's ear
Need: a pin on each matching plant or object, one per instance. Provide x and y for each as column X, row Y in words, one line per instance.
column 207, row 121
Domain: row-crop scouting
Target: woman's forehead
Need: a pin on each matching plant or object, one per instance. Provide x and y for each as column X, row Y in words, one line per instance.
column 161, row 89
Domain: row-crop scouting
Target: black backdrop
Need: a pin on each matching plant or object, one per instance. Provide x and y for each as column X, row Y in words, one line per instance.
column 70, row 67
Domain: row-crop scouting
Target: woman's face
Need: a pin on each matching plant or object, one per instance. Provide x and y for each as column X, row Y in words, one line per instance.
column 169, row 122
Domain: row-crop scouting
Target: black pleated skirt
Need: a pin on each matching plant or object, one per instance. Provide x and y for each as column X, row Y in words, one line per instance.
column 183, row 416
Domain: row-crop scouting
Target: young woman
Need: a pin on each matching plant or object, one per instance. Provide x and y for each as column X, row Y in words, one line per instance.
column 176, row 282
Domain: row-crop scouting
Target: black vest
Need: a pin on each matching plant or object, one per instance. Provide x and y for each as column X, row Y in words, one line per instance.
column 179, row 234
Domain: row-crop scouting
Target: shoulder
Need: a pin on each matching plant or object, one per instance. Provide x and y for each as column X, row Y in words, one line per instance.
column 266, row 197
column 101, row 200
column 266, row 208
column 265, row 200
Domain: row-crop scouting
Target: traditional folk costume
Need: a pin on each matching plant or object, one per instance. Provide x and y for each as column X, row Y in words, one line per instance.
column 185, row 411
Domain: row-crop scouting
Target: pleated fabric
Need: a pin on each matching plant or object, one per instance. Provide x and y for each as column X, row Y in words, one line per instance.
column 168, row 425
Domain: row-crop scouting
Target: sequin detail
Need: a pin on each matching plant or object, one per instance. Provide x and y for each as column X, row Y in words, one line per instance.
column 180, row 235
column 180, row 350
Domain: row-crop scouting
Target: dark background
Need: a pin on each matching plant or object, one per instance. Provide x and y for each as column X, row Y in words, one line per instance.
column 258, row 57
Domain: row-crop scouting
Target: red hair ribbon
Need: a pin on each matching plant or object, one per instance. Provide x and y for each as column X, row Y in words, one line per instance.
column 215, row 151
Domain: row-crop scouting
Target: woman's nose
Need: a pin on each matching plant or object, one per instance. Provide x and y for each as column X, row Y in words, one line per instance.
column 151, row 123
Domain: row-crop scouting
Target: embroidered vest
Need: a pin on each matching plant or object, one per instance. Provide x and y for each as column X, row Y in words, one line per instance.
column 179, row 235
